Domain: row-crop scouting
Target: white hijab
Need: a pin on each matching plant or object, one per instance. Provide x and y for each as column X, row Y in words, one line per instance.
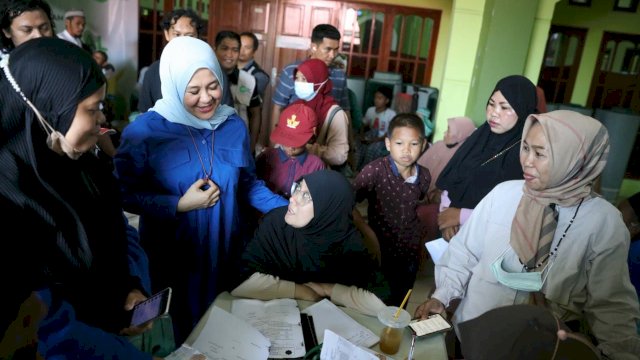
column 180, row 59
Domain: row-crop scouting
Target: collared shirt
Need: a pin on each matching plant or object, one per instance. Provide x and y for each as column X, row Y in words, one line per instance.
column 64, row 35
column 285, row 95
column 392, row 205
column 279, row 171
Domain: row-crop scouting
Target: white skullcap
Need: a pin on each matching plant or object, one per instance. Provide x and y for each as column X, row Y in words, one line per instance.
column 73, row 13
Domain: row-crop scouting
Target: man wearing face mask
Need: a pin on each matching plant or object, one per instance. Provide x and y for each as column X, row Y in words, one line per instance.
column 325, row 42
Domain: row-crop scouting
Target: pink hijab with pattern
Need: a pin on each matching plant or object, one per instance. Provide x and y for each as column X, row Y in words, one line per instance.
column 578, row 151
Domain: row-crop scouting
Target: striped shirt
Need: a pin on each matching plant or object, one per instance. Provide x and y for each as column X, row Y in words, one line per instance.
column 285, row 95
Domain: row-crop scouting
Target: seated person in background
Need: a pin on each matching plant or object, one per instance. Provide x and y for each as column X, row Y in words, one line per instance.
column 438, row 155
column 630, row 209
column 489, row 156
column 435, row 159
column 280, row 166
column 394, row 186
column 313, row 88
column 547, row 240
column 375, row 124
column 311, row 249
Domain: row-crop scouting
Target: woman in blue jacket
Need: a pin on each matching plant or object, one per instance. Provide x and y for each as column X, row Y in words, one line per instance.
column 184, row 166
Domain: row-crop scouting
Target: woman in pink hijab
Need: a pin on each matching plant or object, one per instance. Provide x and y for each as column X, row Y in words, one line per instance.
column 438, row 155
column 435, row 159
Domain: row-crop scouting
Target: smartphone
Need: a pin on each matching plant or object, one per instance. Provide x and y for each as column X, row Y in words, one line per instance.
column 155, row 306
column 434, row 324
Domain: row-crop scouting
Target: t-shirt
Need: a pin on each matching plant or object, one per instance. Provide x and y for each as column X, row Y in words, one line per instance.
column 378, row 120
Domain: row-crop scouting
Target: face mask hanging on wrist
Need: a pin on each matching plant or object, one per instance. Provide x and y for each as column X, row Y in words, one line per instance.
column 55, row 139
column 304, row 90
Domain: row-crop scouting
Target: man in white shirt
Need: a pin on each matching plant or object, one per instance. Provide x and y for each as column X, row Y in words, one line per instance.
column 74, row 24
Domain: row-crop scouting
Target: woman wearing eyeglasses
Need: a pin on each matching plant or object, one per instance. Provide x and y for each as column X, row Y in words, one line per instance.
column 311, row 250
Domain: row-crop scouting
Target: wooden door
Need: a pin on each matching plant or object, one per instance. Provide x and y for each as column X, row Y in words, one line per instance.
column 295, row 21
column 560, row 63
column 616, row 80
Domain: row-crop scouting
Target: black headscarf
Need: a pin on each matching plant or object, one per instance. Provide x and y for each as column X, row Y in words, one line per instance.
column 55, row 76
column 77, row 234
column 466, row 181
column 329, row 249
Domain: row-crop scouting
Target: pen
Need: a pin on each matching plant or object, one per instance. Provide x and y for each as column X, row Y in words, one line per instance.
column 412, row 348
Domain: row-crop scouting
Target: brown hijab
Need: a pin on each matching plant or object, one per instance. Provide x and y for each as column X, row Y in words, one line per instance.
column 578, row 150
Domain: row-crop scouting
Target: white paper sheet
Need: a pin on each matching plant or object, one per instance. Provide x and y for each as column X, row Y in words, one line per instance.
column 336, row 347
column 235, row 340
column 436, row 248
column 326, row 315
column 278, row 320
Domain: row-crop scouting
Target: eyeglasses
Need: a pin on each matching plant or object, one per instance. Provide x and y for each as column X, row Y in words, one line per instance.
column 302, row 197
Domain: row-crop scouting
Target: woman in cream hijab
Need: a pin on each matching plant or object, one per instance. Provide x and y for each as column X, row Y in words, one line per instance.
column 183, row 166
column 548, row 239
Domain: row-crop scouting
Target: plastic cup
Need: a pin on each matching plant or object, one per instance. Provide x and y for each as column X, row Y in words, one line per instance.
column 392, row 334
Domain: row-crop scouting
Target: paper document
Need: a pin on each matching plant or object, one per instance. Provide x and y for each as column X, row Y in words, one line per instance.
column 278, row 320
column 225, row 337
column 436, row 248
column 337, row 347
column 326, row 315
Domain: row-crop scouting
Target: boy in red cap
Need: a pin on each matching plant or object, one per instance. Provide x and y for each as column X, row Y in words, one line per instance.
column 280, row 166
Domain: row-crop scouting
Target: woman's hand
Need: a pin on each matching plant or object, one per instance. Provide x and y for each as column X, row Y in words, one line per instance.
column 135, row 296
column 429, row 307
column 449, row 217
column 304, row 292
column 322, row 289
column 197, row 197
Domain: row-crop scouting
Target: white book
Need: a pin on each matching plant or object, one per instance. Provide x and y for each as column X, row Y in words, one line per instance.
column 278, row 320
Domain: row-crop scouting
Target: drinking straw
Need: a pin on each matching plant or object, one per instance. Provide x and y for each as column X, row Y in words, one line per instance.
column 406, row 297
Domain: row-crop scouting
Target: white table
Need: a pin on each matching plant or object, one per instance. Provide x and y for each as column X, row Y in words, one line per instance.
column 432, row 348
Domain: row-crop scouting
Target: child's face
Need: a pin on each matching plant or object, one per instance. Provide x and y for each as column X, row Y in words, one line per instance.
column 380, row 101
column 405, row 146
column 293, row 151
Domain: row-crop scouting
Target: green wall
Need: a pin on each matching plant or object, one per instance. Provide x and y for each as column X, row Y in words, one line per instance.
column 597, row 18
column 504, row 45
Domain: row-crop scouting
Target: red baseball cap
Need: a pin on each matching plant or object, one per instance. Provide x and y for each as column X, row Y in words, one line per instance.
column 296, row 126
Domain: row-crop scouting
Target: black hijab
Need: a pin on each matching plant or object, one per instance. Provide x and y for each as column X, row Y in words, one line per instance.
column 329, row 249
column 76, row 238
column 55, row 76
column 464, row 177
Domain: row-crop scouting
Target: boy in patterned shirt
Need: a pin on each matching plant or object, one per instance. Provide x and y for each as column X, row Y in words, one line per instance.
column 394, row 186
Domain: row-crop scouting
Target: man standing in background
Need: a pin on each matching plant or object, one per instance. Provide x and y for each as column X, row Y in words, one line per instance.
column 325, row 44
column 74, row 24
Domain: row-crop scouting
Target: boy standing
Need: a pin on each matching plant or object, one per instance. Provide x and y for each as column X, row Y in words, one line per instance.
column 394, row 186
column 280, row 166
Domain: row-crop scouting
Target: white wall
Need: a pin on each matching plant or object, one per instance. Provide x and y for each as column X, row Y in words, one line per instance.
column 112, row 26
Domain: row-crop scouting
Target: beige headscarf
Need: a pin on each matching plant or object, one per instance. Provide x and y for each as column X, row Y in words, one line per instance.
column 578, row 150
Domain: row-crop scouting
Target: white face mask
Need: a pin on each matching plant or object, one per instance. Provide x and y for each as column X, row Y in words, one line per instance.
column 523, row 281
column 304, row 90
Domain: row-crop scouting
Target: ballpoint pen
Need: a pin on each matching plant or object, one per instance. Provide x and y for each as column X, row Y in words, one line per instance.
column 412, row 348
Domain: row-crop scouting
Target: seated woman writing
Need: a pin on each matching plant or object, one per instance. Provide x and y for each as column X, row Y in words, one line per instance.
column 549, row 240
column 311, row 249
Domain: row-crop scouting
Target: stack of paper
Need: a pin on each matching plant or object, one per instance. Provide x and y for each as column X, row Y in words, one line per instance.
column 278, row 320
